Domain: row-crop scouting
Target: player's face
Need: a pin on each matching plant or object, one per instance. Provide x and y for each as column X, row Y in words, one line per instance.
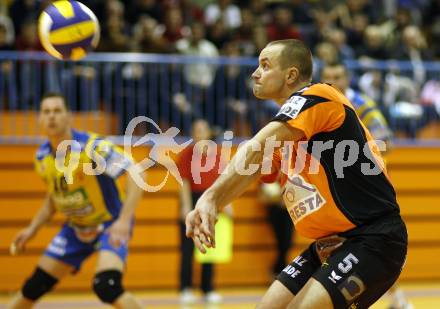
column 201, row 131
column 269, row 78
column 336, row 76
column 54, row 116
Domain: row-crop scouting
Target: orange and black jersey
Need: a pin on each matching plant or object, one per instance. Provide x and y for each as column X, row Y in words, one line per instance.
column 332, row 192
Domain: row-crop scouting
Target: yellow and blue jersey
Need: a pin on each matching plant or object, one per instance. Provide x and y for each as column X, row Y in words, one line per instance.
column 370, row 115
column 86, row 200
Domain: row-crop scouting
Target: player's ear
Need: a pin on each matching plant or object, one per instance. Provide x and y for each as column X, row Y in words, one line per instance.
column 292, row 75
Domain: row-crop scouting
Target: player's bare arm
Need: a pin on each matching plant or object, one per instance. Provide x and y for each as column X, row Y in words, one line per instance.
column 44, row 214
column 120, row 229
column 231, row 184
column 185, row 199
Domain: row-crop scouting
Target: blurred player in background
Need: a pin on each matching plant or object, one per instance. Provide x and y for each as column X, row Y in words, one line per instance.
column 370, row 115
column 99, row 212
column 360, row 239
column 367, row 110
column 190, row 192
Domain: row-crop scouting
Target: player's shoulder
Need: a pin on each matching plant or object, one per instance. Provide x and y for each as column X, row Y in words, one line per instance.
column 358, row 99
column 99, row 144
column 318, row 93
column 306, row 98
column 320, row 89
column 82, row 137
column 43, row 151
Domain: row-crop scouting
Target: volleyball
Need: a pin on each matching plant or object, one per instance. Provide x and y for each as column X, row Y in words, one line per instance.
column 68, row 30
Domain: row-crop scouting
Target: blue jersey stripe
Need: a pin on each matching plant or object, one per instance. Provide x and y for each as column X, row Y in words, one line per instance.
column 110, row 194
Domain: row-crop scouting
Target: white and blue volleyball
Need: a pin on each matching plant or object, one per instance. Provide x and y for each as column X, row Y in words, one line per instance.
column 68, row 30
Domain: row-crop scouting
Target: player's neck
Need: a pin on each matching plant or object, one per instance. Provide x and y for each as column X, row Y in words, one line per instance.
column 291, row 90
column 55, row 140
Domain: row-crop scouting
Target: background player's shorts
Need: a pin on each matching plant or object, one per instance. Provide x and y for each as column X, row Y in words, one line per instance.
column 359, row 272
column 66, row 247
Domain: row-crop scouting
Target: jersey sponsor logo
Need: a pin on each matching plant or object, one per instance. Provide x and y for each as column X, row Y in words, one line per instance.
column 299, row 260
column 334, row 277
column 301, row 198
column 352, row 287
column 292, row 107
column 74, row 203
column 291, row 271
column 58, row 246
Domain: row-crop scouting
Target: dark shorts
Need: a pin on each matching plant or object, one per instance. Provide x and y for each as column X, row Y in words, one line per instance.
column 359, row 272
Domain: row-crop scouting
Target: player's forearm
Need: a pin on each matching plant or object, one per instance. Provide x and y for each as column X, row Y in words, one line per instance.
column 44, row 214
column 132, row 199
column 185, row 197
column 235, row 180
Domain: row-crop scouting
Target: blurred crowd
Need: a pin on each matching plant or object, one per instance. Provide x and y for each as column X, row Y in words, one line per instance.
column 335, row 30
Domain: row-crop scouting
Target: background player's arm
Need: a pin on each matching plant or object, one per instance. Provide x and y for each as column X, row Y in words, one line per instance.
column 120, row 229
column 133, row 196
column 44, row 214
column 185, row 198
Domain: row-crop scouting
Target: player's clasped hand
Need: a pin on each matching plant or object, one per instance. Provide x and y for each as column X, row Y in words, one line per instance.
column 20, row 240
column 200, row 224
column 119, row 232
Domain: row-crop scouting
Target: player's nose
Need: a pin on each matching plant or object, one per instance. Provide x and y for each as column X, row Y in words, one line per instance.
column 256, row 74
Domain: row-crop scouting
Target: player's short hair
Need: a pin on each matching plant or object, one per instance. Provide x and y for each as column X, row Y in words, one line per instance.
column 48, row 95
column 296, row 53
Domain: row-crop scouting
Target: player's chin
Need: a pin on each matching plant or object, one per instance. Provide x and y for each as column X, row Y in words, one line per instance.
column 53, row 130
column 257, row 92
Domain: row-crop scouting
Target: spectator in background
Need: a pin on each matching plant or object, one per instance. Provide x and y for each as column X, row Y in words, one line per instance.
column 115, row 34
column 392, row 28
column 301, row 11
column 282, row 26
column 28, row 37
column 190, row 192
column 373, row 47
column 174, row 29
column 198, row 77
column 224, row 10
column 326, row 52
column 218, row 34
column 414, row 45
column 414, row 49
column 355, row 33
column 190, row 13
column 5, row 44
column 243, row 35
column 147, row 37
column 259, row 38
column 6, row 72
column 431, row 22
column 388, row 89
column 140, row 8
column 21, row 11
column 8, row 28
column 229, row 89
column 260, row 11
column 339, row 39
